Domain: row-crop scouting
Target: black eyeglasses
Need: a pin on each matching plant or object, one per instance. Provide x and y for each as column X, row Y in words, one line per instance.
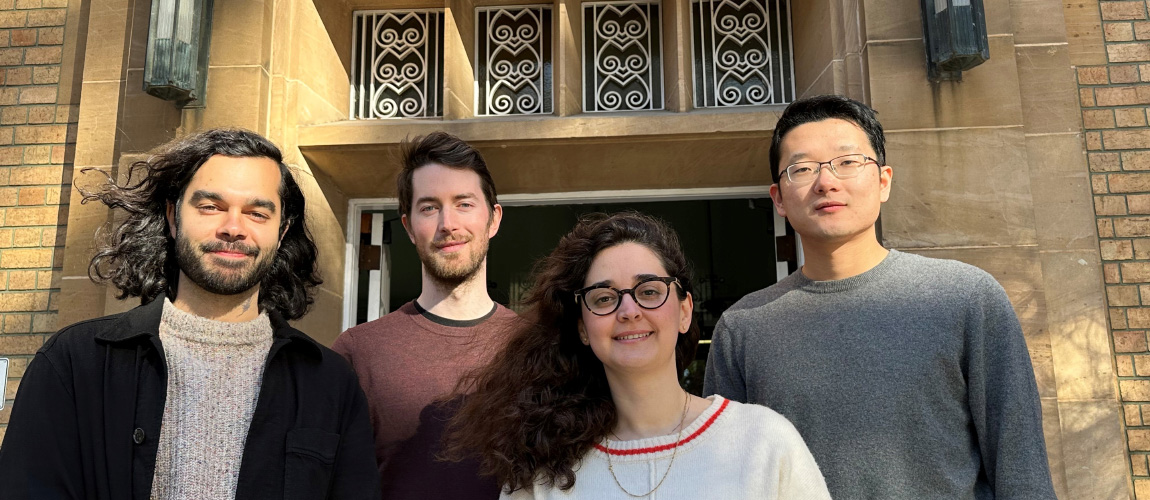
column 651, row 293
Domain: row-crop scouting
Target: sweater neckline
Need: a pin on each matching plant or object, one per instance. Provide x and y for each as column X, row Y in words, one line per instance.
column 652, row 447
column 868, row 276
column 187, row 326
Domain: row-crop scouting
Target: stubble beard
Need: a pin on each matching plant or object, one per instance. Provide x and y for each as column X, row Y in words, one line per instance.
column 194, row 265
column 450, row 272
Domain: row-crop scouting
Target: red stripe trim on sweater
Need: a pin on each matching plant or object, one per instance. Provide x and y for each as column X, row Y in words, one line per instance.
column 665, row 447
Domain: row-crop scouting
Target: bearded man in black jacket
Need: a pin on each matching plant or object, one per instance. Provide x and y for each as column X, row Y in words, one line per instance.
column 204, row 391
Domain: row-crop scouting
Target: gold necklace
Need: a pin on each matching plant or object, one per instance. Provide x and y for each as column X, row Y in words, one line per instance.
column 674, row 451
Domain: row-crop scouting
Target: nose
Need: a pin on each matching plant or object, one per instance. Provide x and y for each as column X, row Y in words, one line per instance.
column 232, row 227
column 628, row 308
column 448, row 220
column 825, row 180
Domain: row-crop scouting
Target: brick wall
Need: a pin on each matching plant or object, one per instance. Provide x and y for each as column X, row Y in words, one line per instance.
column 35, row 138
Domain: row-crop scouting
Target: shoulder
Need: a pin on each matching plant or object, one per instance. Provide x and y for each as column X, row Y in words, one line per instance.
column 943, row 272
column 82, row 335
column 753, row 305
column 757, row 425
column 374, row 331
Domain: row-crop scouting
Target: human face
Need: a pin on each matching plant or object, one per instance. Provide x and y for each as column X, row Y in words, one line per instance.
column 632, row 339
column 227, row 224
column 450, row 224
column 830, row 210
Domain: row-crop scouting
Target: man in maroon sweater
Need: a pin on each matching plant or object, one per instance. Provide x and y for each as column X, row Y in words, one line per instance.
column 412, row 357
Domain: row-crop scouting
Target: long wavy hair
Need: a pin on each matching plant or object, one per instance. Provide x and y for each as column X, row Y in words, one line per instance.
column 138, row 256
column 544, row 402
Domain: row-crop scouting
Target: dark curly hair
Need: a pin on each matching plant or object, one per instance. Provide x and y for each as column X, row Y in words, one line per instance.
column 544, row 402
column 138, row 256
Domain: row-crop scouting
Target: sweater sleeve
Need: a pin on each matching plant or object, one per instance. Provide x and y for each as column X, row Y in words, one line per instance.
column 724, row 374
column 1003, row 397
column 40, row 457
column 799, row 476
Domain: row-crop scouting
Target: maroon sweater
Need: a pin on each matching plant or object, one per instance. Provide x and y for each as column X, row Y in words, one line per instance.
column 406, row 361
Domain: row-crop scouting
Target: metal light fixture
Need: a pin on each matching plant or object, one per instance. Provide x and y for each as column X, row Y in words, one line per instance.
column 955, row 33
column 176, row 68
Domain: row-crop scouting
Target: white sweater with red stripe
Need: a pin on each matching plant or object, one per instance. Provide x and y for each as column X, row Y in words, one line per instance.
column 731, row 451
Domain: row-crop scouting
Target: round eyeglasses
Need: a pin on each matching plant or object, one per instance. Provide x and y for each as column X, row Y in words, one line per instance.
column 842, row 167
column 650, row 293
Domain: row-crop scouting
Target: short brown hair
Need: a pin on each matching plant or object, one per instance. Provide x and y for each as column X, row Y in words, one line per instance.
column 444, row 149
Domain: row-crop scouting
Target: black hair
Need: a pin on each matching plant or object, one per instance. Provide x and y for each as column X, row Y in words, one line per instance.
column 138, row 256
column 822, row 107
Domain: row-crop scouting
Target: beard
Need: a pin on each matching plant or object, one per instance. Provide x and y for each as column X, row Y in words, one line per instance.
column 234, row 278
column 454, row 270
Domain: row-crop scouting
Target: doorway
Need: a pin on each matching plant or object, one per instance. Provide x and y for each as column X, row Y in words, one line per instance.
column 730, row 243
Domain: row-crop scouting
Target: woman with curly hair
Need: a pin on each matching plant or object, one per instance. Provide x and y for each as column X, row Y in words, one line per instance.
column 585, row 401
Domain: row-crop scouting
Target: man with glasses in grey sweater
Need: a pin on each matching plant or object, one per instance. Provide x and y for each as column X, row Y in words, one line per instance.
column 908, row 377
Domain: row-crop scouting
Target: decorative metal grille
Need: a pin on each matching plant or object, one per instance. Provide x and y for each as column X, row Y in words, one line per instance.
column 397, row 69
column 743, row 52
column 513, row 47
column 622, row 56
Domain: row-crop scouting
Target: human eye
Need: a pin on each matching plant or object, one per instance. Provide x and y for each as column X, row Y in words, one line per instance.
column 801, row 168
column 601, row 297
column 259, row 215
column 426, row 209
column 207, row 207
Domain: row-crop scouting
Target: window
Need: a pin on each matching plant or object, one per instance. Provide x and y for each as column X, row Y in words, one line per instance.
column 622, row 56
column 397, row 69
column 742, row 52
column 513, row 60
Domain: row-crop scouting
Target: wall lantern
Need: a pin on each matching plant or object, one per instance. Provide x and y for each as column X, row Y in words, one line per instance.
column 176, row 68
column 955, row 33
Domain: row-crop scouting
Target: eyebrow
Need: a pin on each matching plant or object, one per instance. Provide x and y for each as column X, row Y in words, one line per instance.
column 638, row 278
column 201, row 194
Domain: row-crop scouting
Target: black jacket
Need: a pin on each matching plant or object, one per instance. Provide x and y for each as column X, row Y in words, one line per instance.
column 87, row 417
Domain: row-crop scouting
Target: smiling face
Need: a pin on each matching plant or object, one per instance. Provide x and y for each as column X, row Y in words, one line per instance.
column 227, row 224
column 633, row 339
column 830, row 210
column 450, row 223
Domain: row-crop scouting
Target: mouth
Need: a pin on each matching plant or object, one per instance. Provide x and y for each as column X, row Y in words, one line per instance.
column 632, row 336
column 830, row 206
column 230, row 254
column 450, row 246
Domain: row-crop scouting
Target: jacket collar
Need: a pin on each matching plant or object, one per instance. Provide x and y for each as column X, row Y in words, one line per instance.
column 143, row 322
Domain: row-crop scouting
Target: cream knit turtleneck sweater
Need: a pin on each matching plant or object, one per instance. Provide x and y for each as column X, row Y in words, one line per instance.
column 214, row 373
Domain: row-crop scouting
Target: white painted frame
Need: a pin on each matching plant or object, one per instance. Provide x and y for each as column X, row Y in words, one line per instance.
column 3, row 381
column 357, row 206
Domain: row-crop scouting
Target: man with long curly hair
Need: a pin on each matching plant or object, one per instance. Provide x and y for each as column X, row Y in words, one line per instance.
column 203, row 391
column 417, row 354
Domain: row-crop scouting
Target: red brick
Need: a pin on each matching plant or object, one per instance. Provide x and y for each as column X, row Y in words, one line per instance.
column 1092, row 75
column 1118, row 32
column 1127, row 227
column 27, row 4
column 42, row 75
column 38, row 95
column 1121, row 11
column 33, row 176
column 1126, row 139
column 1093, row 141
column 1136, row 160
column 20, row 344
column 1086, row 97
column 1125, row 368
column 1129, row 183
column 49, row 134
column 51, row 215
column 18, row 76
column 1098, row 184
column 1105, row 228
column 11, row 57
column 23, row 37
column 42, row 114
column 1139, row 440
column 37, row 195
column 1132, row 272
column 1117, row 96
column 1127, row 52
column 51, row 36
column 1104, row 162
column 1109, row 205
column 1111, row 275
column 1135, row 203
column 43, row 55
column 1116, row 296
column 1118, row 74
column 47, row 17
column 13, row 19
column 1113, row 250
column 1132, row 341
column 13, row 115
column 1130, row 117
column 5, row 38
column 55, row 3
column 1142, row 30
column 1098, row 118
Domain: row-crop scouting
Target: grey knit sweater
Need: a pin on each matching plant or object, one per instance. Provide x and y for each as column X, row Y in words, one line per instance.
column 909, row 381
column 214, row 373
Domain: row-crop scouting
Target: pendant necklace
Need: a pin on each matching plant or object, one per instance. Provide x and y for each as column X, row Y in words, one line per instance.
column 674, row 451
